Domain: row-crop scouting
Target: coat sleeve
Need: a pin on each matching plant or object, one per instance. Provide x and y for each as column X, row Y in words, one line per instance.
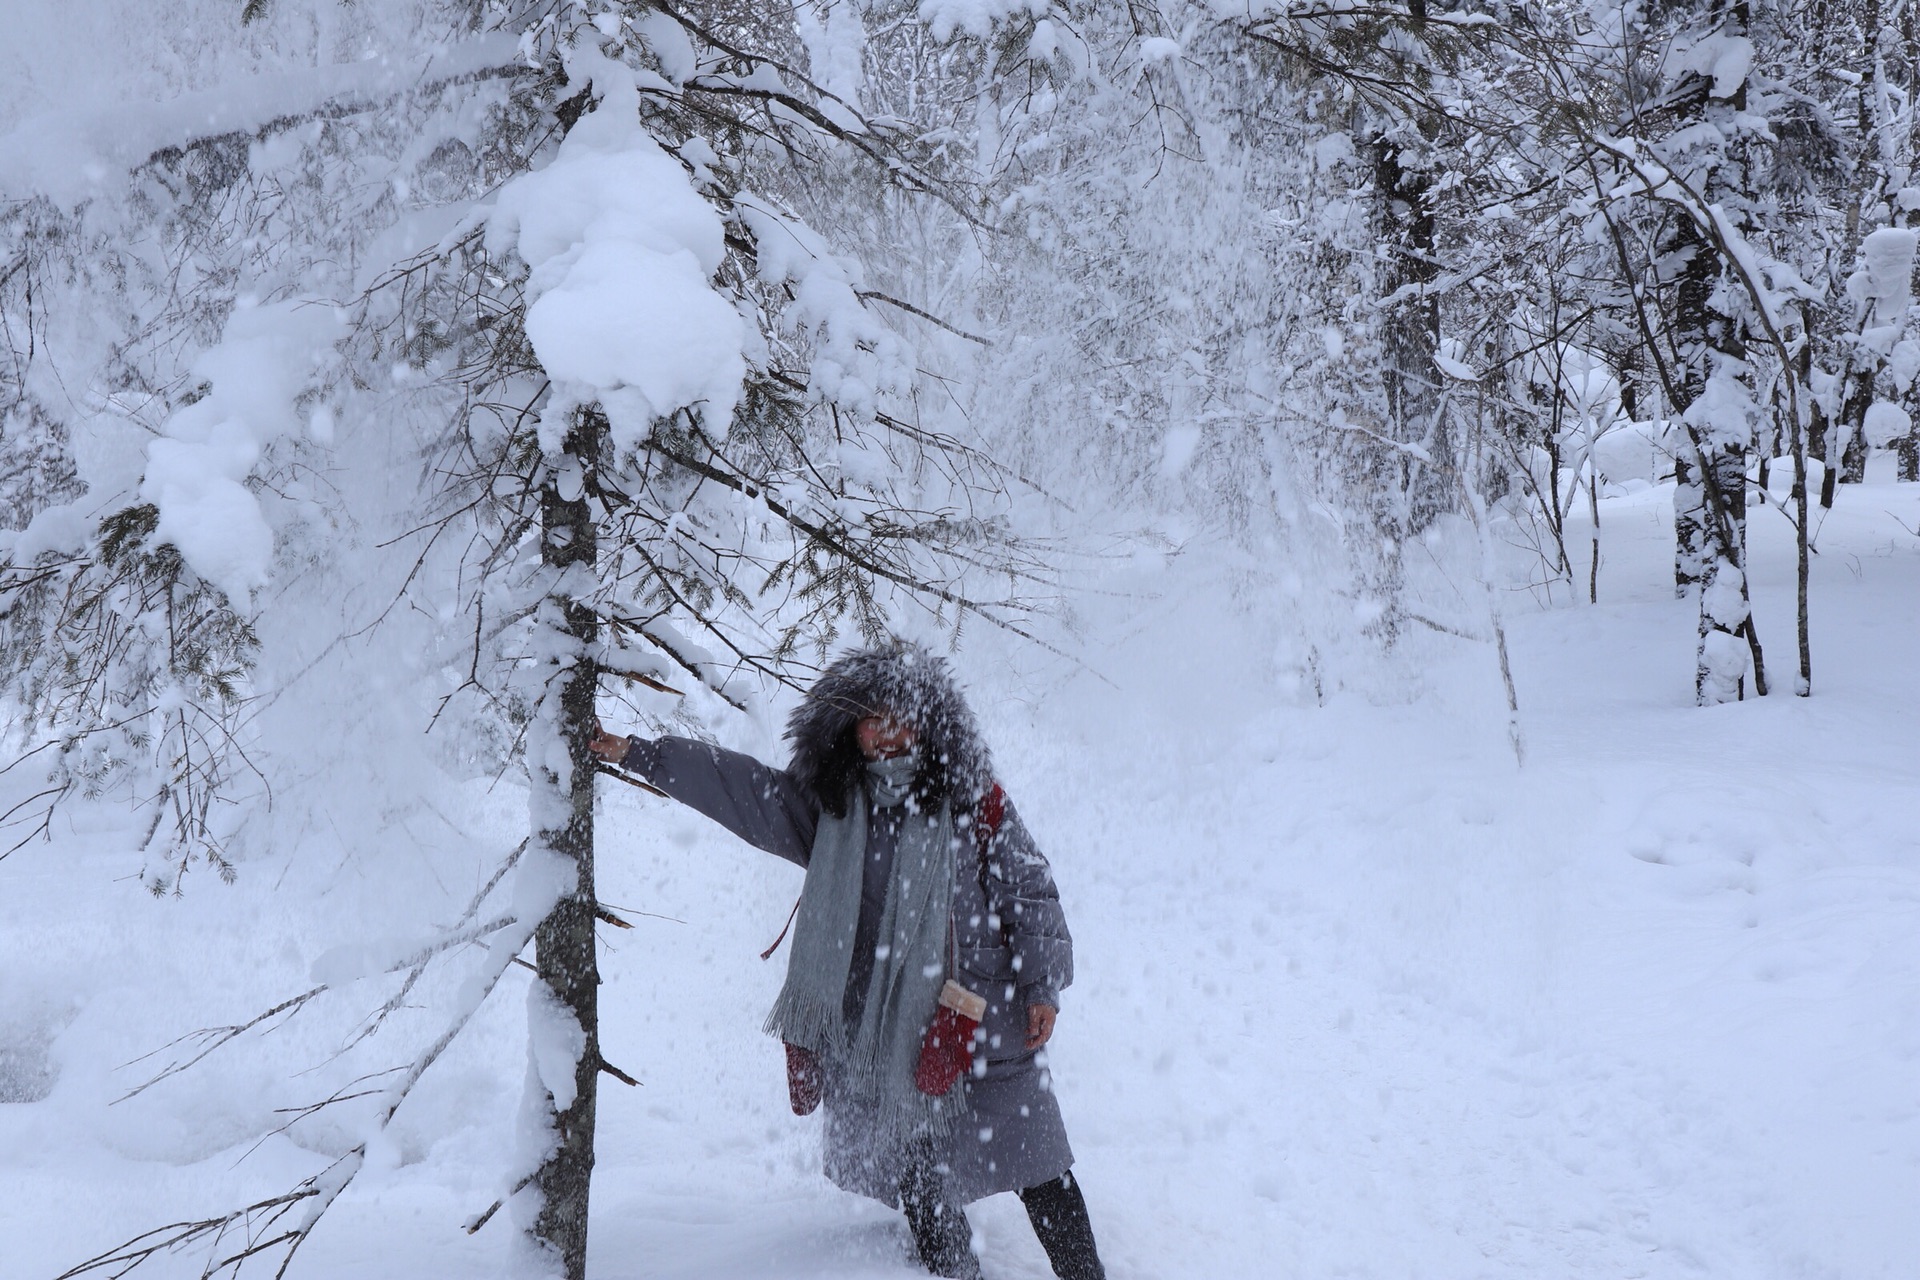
column 1024, row 897
column 765, row 807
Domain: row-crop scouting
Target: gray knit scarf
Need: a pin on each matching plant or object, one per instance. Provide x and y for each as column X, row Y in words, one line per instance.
column 872, row 1064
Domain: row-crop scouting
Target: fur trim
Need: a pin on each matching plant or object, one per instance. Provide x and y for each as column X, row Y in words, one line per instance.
column 906, row 680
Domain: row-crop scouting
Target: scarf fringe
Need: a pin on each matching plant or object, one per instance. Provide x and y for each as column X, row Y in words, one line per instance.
column 808, row 1023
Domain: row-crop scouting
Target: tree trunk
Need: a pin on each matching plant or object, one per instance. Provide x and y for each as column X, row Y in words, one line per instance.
column 1725, row 430
column 1411, row 333
column 1797, row 443
column 1905, row 72
column 1690, row 321
column 1853, row 460
column 1726, row 620
column 563, row 823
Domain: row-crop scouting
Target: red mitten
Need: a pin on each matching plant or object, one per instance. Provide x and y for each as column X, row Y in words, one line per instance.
column 804, row 1079
column 948, row 1049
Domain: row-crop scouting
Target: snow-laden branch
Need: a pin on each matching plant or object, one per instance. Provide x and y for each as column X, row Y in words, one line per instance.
column 252, row 1222
column 209, row 1039
column 66, row 156
column 336, row 1178
column 266, row 1224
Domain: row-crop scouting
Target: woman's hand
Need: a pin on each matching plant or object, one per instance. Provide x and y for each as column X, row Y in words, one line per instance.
column 610, row 747
column 1040, row 1024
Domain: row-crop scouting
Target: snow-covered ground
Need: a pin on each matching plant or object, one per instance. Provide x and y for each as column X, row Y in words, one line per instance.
column 1358, row 996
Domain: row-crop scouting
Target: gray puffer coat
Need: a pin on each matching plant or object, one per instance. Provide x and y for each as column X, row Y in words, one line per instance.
column 1010, row 1135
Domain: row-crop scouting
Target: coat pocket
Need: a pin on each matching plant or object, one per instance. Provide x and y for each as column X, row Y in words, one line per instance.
column 1003, row 1028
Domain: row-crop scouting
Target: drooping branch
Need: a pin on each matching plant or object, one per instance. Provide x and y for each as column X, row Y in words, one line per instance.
column 253, row 1222
column 839, row 544
column 209, row 1039
column 316, row 1194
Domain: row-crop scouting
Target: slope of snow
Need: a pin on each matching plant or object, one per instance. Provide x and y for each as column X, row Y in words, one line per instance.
column 1358, row 996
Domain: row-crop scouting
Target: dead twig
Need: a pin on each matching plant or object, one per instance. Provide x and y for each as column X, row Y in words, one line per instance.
column 617, row 1073
column 630, row 780
column 480, row 1220
column 177, row 1235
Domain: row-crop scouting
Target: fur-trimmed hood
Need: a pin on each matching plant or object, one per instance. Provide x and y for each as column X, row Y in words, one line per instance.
column 911, row 683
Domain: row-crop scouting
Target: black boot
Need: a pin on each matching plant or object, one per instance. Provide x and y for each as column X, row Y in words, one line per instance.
column 1059, row 1215
column 940, row 1230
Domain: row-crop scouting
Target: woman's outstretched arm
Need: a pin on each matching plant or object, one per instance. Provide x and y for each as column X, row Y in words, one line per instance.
column 763, row 806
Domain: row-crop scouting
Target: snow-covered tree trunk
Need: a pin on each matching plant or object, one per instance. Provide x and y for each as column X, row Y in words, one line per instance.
column 1691, row 317
column 1882, row 389
column 1723, row 420
column 563, row 1009
column 1722, row 423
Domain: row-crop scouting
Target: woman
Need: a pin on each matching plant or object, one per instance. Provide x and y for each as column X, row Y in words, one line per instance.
column 917, row 872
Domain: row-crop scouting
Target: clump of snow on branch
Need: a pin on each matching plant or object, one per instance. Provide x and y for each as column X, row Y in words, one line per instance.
column 1723, row 58
column 977, row 18
column 1884, row 285
column 196, row 472
column 1885, row 423
column 855, row 355
column 836, row 40
column 620, row 250
column 1725, row 410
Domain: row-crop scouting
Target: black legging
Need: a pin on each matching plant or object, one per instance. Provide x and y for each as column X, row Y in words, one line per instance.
column 945, row 1242
column 940, row 1230
column 1059, row 1215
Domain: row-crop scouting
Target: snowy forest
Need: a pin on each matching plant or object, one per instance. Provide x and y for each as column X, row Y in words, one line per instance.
column 1422, row 499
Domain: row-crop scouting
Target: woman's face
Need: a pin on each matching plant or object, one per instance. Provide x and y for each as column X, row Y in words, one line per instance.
column 882, row 737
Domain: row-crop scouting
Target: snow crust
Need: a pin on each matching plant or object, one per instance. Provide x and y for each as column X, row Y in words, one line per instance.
column 1903, row 364
column 1725, row 658
column 836, row 40
column 1725, row 411
column 1884, row 288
